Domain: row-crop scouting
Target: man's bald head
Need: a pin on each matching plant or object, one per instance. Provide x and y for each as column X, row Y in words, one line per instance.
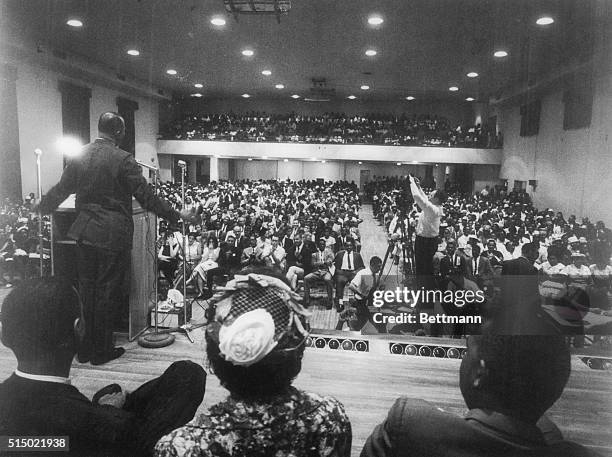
column 112, row 125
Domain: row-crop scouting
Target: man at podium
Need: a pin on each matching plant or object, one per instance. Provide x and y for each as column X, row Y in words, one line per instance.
column 104, row 178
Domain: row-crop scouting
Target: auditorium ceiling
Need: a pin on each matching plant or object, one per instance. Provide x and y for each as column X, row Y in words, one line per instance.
column 423, row 47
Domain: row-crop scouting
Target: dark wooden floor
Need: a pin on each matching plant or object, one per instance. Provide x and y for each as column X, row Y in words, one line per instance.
column 366, row 383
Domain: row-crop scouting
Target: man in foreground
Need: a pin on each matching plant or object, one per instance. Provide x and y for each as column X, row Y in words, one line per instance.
column 508, row 383
column 42, row 324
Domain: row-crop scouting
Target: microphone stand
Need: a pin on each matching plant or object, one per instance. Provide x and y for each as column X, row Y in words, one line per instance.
column 156, row 339
column 38, row 153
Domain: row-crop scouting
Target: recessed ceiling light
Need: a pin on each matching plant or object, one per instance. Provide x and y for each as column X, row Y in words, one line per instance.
column 74, row 23
column 351, row 97
column 245, row 95
column 171, row 72
column 295, row 96
column 375, row 20
column 410, row 97
column 360, row 163
column 398, row 163
column 280, row 86
column 198, row 85
column 545, row 20
column 250, row 159
column 371, row 53
column 453, row 88
column 217, row 21
column 196, row 95
column 247, row 52
column 266, row 72
column 285, row 160
column 472, row 74
column 323, row 161
column 469, row 99
column 500, row 53
column 133, row 52
column 364, row 87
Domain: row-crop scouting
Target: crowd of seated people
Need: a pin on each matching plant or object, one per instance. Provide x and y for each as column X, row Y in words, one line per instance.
column 482, row 233
column 19, row 241
column 369, row 128
column 306, row 230
column 255, row 345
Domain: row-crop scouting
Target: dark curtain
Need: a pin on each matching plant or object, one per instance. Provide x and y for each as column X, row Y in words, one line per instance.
column 75, row 112
column 530, row 118
column 126, row 109
column 10, row 170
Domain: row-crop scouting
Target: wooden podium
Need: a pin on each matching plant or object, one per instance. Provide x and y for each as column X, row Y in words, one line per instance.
column 142, row 281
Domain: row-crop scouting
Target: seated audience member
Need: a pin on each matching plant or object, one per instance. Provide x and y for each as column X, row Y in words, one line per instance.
column 479, row 270
column 228, row 262
column 274, row 255
column 577, row 273
column 255, row 346
column 508, row 383
column 42, row 323
column 552, row 279
column 208, row 261
column 168, row 255
column 298, row 260
column 601, row 273
column 322, row 263
column 346, row 263
column 247, row 258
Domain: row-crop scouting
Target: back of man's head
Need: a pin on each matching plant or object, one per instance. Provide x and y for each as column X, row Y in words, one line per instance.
column 111, row 124
column 530, row 250
column 38, row 318
column 517, row 375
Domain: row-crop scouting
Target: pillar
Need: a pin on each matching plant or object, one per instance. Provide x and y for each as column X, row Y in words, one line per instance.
column 214, row 169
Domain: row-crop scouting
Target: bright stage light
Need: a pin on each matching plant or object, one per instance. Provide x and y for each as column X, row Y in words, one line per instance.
column 69, row 146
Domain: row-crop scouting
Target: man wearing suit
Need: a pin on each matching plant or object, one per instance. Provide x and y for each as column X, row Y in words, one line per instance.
column 508, row 383
column 520, row 312
column 322, row 261
column 42, row 323
column 479, row 270
column 298, row 261
column 347, row 263
column 230, row 255
column 104, row 179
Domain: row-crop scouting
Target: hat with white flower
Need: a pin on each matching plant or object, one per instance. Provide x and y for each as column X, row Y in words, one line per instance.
column 257, row 317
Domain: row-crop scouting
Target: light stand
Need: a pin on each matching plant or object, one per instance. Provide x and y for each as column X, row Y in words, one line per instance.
column 183, row 165
column 38, row 153
column 156, row 339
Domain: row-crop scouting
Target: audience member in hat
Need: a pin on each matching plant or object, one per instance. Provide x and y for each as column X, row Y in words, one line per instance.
column 255, row 346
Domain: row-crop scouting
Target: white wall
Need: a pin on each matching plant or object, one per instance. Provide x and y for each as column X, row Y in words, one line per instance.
column 302, row 151
column 40, row 121
column 573, row 168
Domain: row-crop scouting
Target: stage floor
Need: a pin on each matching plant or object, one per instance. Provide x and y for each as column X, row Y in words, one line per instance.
column 366, row 383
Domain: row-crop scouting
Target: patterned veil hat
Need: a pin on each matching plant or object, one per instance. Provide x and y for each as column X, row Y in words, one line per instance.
column 257, row 317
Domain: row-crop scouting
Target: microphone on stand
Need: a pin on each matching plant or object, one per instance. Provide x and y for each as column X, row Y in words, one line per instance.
column 181, row 163
column 150, row 167
column 38, row 153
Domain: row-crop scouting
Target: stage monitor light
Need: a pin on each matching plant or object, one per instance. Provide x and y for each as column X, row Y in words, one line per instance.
column 309, row 342
column 69, row 146
column 396, row 348
column 333, row 344
column 411, row 349
column 425, row 351
column 361, row 346
column 347, row 345
column 453, row 353
column 439, row 352
column 320, row 343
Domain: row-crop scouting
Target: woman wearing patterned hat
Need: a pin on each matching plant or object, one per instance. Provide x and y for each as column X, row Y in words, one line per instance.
column 255, row 346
